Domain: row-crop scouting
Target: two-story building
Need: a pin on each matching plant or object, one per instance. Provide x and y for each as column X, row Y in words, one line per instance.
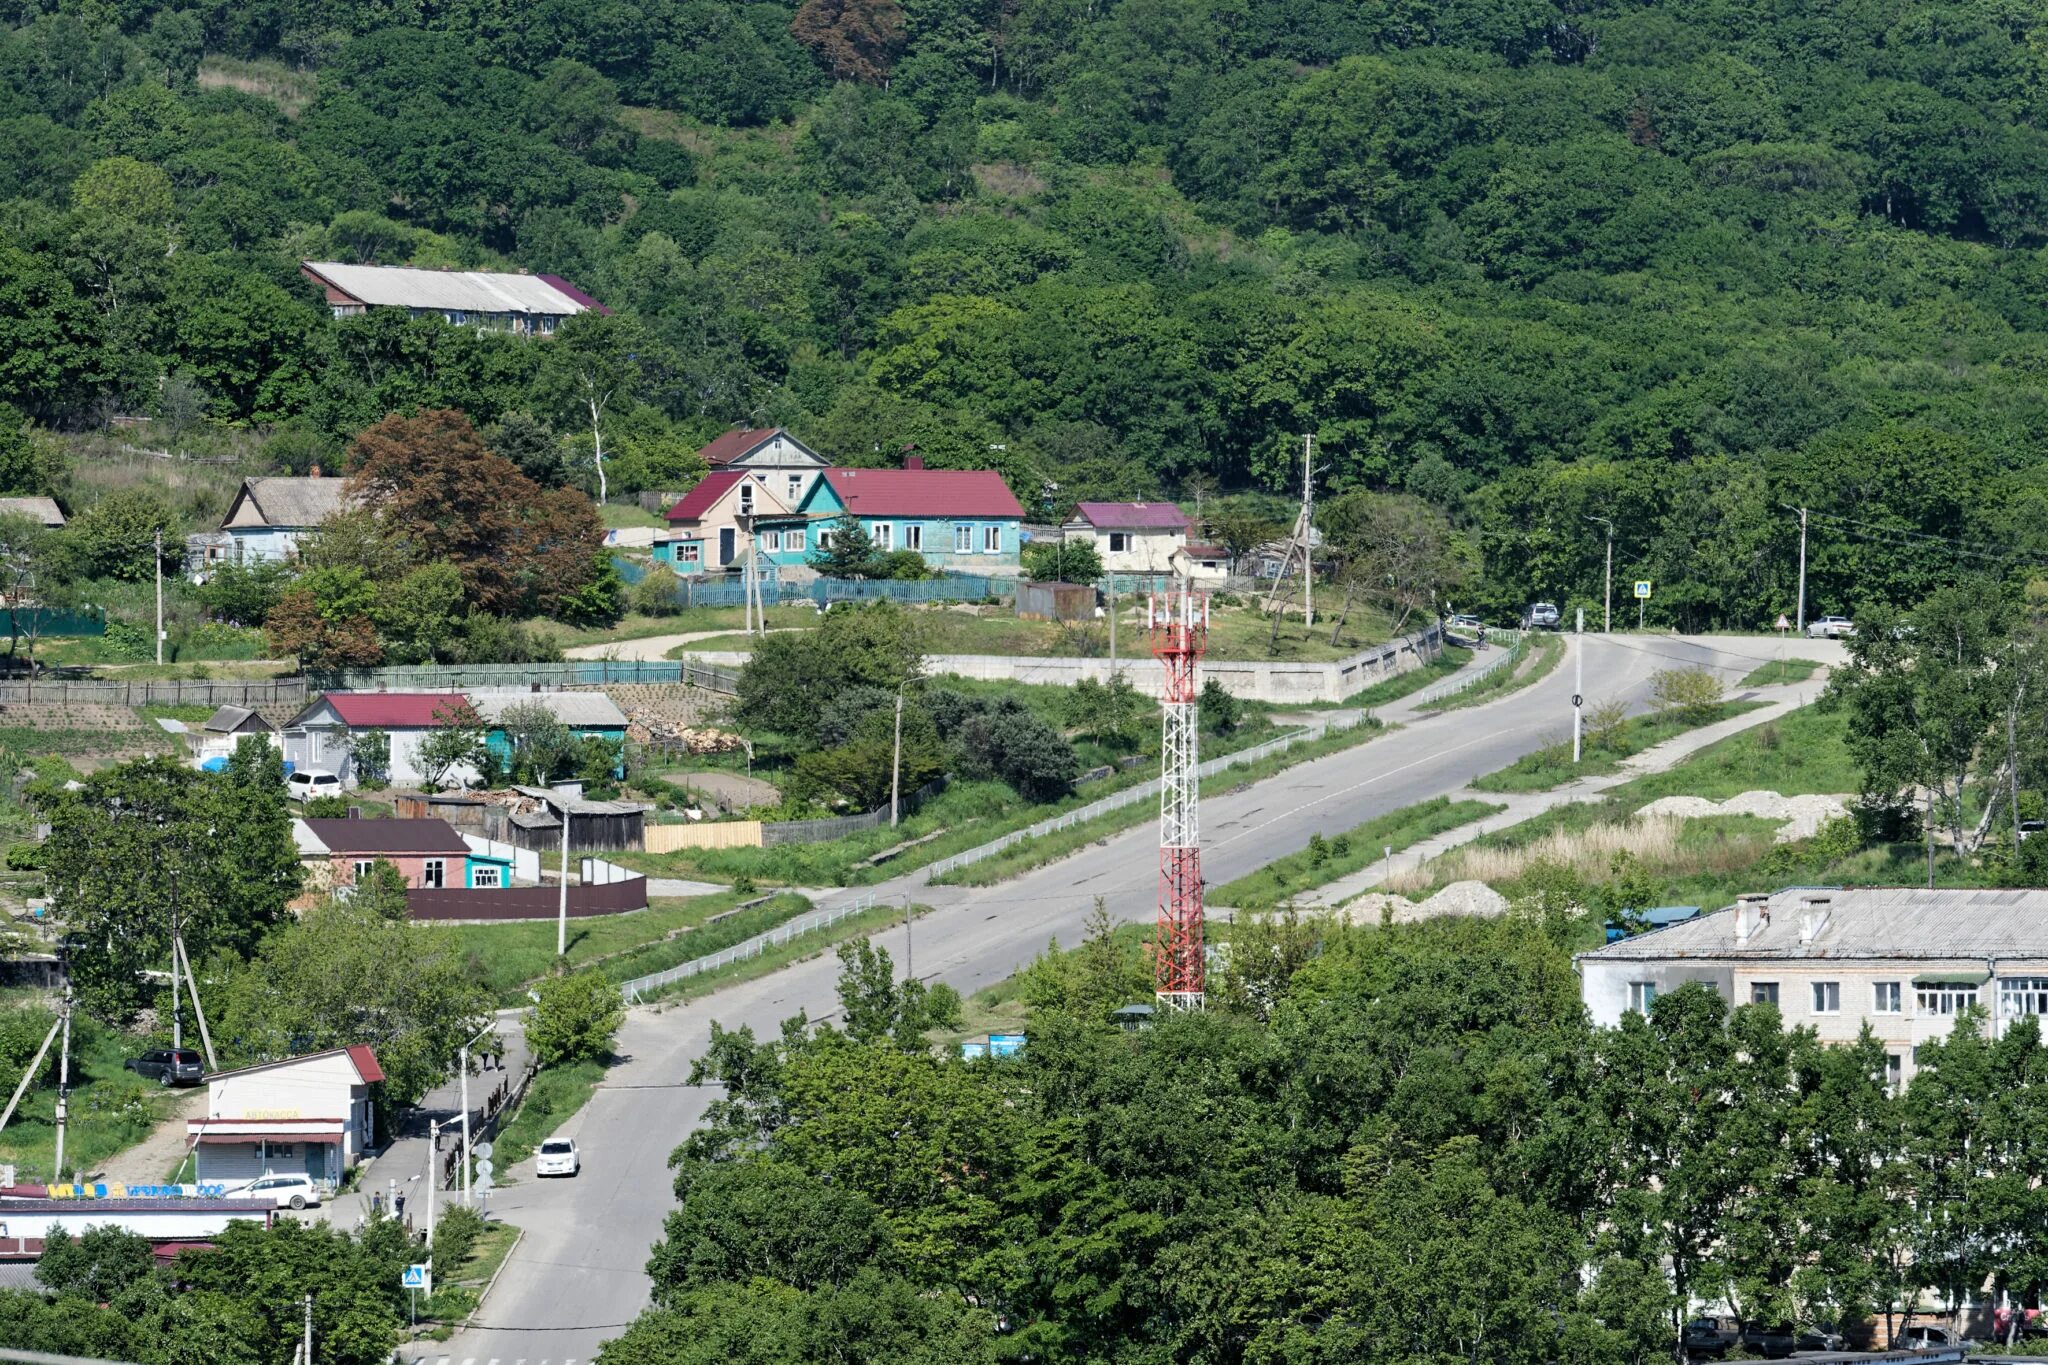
column 787, row 465
column 428, row 853
column 1904, row 961
column 1131, row 537
column 708, row 526
column 961, row 519
column 309, row 1114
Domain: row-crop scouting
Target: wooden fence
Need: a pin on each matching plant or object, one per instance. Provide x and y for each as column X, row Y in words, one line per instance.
column 723, row 834
column 76, row 692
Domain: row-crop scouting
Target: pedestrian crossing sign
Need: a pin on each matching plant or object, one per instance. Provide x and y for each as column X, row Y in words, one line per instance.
column 417, row 1277
column 1642, row 587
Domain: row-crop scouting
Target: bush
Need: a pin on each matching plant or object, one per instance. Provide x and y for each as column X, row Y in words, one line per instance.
column 1692, row 692
column 1052, row 561
column 658, row 594
column 1221, row 712
column 455, row 1233
column 575, row 1020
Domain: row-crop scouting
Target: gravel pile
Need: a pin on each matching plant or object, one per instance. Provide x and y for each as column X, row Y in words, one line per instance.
column 1459, row 898
column 1801, row 816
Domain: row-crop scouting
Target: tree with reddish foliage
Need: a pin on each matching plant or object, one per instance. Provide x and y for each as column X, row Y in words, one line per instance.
column 440, row 492
column 857, row 40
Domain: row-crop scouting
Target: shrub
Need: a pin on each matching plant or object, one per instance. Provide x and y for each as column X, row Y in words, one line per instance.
column 1692, row 692
column 576, row 1019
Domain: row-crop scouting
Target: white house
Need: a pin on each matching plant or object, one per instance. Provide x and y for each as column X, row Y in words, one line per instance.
column 322, row 736
column 309, row 1114
column 1903, row 960
column 1131, row 537
column 269, row 517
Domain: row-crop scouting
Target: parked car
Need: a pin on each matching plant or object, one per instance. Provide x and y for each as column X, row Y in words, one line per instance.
column 1772, row 1342
column 558, row 1156
column 1544, row 616
column 169, row 1066
column 1926, row 1339
column 1821, row 1338
column 307, row 783
column 286, row 1191
column 1708, row 1337
column 1830, row 628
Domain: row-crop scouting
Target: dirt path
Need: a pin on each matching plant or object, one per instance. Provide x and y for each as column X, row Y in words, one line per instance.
column 649, row 646
column 150, row 1161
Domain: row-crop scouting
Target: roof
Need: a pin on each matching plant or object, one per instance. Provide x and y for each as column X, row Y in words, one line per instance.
column 228, row 719
column 400, row 710
column 1863, row 923
column 1195, row 551
column 728, row 446
column 365, row 1060
column 469, row 291
column 590, row 710
column 365, row 837
column 1132, row 516
column 284, row 501
column 580, row 806
column 44, row 510
column 923, row 493
column 708, row 491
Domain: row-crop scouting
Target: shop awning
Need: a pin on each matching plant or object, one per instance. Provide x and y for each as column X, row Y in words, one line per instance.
column 1973, row 977
column 282, row 1135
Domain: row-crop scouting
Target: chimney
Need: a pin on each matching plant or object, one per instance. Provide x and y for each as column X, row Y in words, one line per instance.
column 1813, row 917
column 314, row 472
column 913, row 462
column 1751, row 914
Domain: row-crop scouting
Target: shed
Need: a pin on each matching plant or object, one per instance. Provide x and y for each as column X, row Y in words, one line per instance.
column 601, row 826
column 1055, row 601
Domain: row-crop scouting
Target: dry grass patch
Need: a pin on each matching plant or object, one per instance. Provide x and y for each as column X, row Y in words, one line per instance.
column 1589, row 852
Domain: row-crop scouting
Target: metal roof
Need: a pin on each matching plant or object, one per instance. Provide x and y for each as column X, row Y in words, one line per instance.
column 44, row 510
column 370, row 837
column 590, row 710
column 923, row 493
column 1131, row 516
column 467, row 291
column 393, row 710
column 1861, row 923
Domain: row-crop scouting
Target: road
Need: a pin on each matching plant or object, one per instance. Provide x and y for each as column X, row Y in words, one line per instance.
column 578, row 1276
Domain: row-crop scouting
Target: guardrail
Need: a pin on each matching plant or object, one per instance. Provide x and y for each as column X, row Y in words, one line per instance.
column 1458, row 682
column 746, row 948
column 1132, row 795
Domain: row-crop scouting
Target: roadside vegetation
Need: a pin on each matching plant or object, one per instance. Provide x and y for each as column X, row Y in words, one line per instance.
column 1610, row 739
column 1543, row 651
column 1327, row 860
column 1778, row 672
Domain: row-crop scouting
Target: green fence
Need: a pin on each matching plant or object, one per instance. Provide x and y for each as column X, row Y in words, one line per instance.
column 520, row 677
column 47, row 621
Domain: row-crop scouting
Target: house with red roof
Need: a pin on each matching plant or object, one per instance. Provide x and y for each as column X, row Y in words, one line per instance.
column 708, row 527
column 309, row 1115
column 1131, row 537
column 322, row 737
column 787, row 465
column 961, row 519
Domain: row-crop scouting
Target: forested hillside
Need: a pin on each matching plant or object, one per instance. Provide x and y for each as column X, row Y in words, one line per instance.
column 1674, row 264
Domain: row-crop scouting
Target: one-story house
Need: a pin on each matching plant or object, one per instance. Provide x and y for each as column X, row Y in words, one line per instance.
column 223, row 730
column 963, row 519
column 427, row 853
column 320, row 737
column 42, row 511
column 1202, row 563
column 493, row 300
column 586, row 715
column 309, row 1115
column 707, row 529
column 269, row 517
column 787, row 465
column 1131, row 537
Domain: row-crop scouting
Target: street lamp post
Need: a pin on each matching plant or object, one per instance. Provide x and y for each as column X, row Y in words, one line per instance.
column 1607, row 591
column 465, row 1110
column 562, row 904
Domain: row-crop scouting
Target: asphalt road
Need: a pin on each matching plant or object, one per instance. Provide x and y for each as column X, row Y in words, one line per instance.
column 578, row 1275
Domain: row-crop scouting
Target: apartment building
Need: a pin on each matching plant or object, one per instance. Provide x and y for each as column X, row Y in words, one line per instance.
column 1902, row 960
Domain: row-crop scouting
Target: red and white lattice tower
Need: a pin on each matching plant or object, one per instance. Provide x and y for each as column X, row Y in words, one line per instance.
column 1179, row 622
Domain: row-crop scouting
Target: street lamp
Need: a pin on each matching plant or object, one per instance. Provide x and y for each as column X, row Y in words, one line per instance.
column 1607, row 595
column 465, row 1108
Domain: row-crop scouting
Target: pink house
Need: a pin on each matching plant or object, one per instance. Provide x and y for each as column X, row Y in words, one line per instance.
column 427, row 853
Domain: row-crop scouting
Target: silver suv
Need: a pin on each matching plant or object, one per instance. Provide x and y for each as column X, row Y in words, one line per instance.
column 1544, row 616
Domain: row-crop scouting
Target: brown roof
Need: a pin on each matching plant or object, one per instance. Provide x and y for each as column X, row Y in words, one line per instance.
column 295, row 502
column 342, row 835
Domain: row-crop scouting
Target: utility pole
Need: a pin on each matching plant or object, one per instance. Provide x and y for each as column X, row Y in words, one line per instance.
column 1308, row 532
column 1578, row 682
column 157, row 562
column 1607, row 593
column 909, row 971
column 177, row 1028
column 1799, row 622
column 433, row 1178
column 562, row 905
column 309, row 1330
column 198, row 1010
column 63, row 1081
column 1112, row 625
column 896, row 766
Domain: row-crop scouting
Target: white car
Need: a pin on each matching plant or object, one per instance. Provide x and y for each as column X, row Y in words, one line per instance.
column 1830, row 628
column 306, row 783
column 285, row 1191
column 558, row 1156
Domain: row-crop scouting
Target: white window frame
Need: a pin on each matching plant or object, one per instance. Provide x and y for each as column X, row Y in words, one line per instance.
column 1119, row 542
column 692, row 553
column 913, row 536
column 746, row 500
column 1942, row 999
column 487, row 877
column 1887, row 997
column 963, row 538
column 991, row 540
column 883, row 534
column 796, row 487
column 794, row 542
column 434, row 873
column 824, row 538
column 771, row 541
column 1763, row 993
column 1895, row 1071
column 1642, row 995
column 363, row 867
column 1827, row 997
column 2018, row 995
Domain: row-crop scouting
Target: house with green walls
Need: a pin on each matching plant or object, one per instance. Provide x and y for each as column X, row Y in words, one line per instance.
column 965, row 520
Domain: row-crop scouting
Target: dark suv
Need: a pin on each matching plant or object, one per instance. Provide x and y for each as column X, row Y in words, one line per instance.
column 1772, row 1341
column 169, row 1066
column 1708, row 1338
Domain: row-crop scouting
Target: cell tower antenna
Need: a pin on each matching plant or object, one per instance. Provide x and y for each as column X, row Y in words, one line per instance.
column 1179, row 623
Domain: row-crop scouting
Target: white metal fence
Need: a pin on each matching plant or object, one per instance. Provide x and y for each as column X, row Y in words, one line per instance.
column 1458, row 682
column 1143, row 791
column 746, row 948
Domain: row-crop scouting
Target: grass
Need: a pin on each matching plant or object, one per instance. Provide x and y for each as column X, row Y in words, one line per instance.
column 1325, row 861
column 1449, row 660
column 292, row 90
column 555, row 1095
column 623, row 514
column 30, row 739
column 457, row 1291
column 1780, row 671
column 191, row 715
column 111, row 1109
column 1802, row 752
column 1553, row 767
column 1030, row 853
column 1546, row 651
column 640, row 626
column 796, row 950
column 507, row 957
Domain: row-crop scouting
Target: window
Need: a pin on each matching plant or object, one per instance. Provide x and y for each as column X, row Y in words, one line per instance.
column 1640, row 995
column 1827, row 997
column 1884, row 997
column 434, row 872
column 1894, row 1070
column 1943, row 997
column 796, row 488
column 488, row 877
column 691, row 553
column 991, row 540
column 884, row 536
column 1763, row 993
column 794, row 542
column 747, row 499
column 363, row 866
column 825, row 538
column 963, row 539
column 2023, row 995
column 1119, row 541
column 913, row 536
column 771, row 541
